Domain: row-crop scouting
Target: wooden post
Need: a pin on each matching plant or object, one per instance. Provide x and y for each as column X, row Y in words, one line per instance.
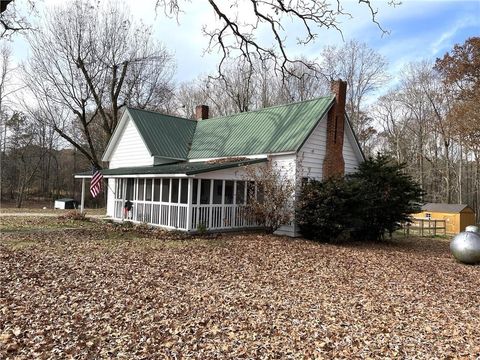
column 210, row 209
column 189, row 204
column 82, row 201
column 421, row 227
column 222, row 224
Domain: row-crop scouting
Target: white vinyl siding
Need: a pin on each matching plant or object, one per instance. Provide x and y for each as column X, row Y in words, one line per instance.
column 350, row 157
column 312, row 153
column 287, row 165
column 130, row 149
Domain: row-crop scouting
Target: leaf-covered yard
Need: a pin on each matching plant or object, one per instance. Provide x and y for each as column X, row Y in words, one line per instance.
column 100, row 292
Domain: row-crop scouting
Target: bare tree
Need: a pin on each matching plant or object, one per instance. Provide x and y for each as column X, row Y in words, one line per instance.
column 364, row 70
column 420, row 126
column 392, row 116
column 303, row 83
column 5, row 78
column 270, row 195
column 459, row 69
column 24, row 155
column 103, row 62
column 13, row 20
column 240, row 25
column 249, row 86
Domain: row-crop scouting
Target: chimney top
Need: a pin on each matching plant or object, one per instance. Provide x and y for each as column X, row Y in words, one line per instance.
column 201, row 112
column 339, row 88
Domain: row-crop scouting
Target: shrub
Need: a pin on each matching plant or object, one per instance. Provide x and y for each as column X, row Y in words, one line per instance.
column 271, row 206
column 364, row 205
column 388, row 197
column 323, row 208
column 202, row 228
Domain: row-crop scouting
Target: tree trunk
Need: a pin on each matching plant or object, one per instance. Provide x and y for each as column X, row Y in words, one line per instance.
column 460, row 177
column 477, row 187
column 447, row 171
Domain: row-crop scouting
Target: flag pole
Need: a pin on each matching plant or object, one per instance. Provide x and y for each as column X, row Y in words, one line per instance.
column 82, row 201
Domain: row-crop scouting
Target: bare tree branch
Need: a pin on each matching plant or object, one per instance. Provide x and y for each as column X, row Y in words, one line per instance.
column 103, row 61
column 237, row 37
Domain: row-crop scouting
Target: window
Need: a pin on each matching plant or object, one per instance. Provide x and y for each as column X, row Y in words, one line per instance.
column 195, row 191
column 229, row 192
column 148, row 189
column 165, row 189
column 217, row 191
column 130, row 187
column 204, row 191
column 141, row 186
column 240, row 198
column 184, row 191
column 174, row 190
column 156, row 189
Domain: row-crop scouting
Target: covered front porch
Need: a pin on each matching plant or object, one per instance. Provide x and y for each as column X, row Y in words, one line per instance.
column 184, row 203
column 183, row 196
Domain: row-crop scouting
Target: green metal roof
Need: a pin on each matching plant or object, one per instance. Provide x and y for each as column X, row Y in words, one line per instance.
column 271, row 130
column 183, row 168
column 275, row 129
column 165, row 136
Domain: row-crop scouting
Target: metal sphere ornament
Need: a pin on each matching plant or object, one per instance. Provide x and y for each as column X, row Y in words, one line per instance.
column 465, row 247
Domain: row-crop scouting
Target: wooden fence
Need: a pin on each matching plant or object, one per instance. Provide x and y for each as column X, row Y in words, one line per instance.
column 426, row 227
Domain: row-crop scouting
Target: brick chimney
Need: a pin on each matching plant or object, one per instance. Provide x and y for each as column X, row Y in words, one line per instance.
column 201, row 112
column 333, row 164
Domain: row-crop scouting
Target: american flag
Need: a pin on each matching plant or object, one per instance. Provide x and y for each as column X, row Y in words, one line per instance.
column 96, row 182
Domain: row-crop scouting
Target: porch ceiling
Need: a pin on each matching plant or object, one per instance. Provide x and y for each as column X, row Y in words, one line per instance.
column 180, row 168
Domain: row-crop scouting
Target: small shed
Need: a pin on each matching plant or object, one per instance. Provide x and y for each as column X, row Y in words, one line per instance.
column 65, row 204
column 457, row 216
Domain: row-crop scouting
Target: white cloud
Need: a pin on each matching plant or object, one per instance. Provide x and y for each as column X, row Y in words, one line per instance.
column 186, row 40
column 444, row 41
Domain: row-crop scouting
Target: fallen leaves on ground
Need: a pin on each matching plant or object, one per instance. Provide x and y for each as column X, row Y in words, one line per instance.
column 101, row 293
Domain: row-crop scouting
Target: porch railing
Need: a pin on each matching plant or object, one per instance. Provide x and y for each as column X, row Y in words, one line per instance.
column 211, row 217
column 154, row 213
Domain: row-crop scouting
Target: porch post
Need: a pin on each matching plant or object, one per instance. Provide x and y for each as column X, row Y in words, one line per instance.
column 189, row 204
column 82, row 201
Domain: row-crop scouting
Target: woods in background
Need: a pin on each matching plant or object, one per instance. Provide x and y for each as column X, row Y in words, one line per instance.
column 431, row 121
column 427, row 116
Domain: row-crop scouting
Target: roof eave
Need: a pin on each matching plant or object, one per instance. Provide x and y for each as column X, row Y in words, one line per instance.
column 332, row 101
column 115, row 136
column 228, row 166
column 355, row 138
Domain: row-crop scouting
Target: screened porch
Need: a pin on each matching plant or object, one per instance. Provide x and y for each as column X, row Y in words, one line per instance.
column 185, row 203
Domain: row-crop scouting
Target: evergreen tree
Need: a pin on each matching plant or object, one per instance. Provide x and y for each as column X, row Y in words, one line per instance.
column 379, row 198
column 388, row 197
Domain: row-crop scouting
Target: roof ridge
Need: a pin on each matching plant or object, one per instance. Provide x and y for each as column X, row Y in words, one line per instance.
column 269, row 107
column 160, row 113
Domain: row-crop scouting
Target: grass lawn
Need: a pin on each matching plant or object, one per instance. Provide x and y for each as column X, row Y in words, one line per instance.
column 92, row 290
column 48, row 211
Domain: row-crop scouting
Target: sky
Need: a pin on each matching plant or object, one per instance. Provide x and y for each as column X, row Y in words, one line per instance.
column 418, row 30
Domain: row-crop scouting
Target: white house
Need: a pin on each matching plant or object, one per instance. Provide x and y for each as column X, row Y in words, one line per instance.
column 185, row 174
